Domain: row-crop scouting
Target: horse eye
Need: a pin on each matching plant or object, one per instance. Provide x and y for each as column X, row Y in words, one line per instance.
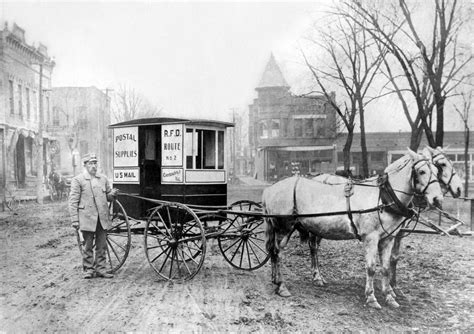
column 442, row 164
column 422, row 172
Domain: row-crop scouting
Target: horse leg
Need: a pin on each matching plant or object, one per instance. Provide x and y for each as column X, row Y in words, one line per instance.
column 314, row 243
column 385, row 251
column 273, row 246
column 394, row 257
column 370, row 244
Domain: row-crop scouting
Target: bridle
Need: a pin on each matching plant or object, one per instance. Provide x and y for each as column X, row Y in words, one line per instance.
column 440, row 170
column 432, row 179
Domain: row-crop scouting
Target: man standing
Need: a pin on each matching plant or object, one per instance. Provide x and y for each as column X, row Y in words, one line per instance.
column 89, row 212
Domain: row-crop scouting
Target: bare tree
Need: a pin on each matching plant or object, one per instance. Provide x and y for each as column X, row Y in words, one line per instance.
column 464, row 114
column 432, row 74
column 129, row 104
column 352, row 66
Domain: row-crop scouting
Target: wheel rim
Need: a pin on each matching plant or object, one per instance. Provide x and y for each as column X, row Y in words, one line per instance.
column 118, row 237
column 175, row 243
column 242, row 241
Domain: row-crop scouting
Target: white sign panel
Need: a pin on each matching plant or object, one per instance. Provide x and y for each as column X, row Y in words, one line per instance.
column 172, row 145
column 126, row 147
column 172, row 175
column 127, row 175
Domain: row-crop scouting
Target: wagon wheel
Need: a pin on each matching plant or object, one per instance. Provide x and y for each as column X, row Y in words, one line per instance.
column 242, row 241
column 175, row 243
column 119, row 238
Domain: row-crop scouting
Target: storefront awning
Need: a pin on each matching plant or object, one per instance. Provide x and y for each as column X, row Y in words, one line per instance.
column 302, row 148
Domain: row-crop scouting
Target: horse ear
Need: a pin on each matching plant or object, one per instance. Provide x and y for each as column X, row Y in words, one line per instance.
column 427, row 152
column 432, row 150
column 413, row 154
column 443, row 149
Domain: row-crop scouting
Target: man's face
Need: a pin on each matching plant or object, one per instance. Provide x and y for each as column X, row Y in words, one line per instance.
column 91, row 167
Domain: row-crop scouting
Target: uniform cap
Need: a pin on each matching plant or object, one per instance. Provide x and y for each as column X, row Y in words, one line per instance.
column 89, row 157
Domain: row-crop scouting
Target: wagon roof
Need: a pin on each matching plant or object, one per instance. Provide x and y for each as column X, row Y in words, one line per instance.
column 168, row 120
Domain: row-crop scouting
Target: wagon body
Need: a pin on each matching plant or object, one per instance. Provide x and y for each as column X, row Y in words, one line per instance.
column 170, row 159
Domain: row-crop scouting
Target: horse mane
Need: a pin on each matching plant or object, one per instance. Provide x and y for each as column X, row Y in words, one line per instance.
column 398, row 164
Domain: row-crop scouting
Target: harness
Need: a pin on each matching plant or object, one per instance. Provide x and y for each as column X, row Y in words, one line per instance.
column 440, row 170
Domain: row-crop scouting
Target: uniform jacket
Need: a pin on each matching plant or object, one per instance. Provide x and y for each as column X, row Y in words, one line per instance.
column 86, row 203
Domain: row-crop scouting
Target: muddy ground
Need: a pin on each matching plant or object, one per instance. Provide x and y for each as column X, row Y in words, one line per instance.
column 43, row 290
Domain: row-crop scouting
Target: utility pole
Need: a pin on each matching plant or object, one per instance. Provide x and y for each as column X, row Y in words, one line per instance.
column 39, row 155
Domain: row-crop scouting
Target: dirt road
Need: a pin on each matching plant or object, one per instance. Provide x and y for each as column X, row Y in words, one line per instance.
column 42, row 288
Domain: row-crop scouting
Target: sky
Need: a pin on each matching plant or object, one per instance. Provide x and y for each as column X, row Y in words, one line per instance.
column 191, row 59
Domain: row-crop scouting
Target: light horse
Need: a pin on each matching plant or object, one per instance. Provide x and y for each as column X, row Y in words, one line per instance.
column 295, row 203
column 448, row 179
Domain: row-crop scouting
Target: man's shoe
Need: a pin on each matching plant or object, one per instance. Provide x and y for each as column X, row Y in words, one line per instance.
column 104, row 275
column 88, row 275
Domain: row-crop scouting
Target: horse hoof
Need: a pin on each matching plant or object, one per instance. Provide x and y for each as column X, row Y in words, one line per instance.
column 319, row 282
column 392, row 293
column 392, row 303
column 399, row 293
column 283, row 292
column 374, row 304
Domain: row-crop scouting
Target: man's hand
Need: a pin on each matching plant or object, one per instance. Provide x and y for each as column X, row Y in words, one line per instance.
column 75, row 225
column 114, row 192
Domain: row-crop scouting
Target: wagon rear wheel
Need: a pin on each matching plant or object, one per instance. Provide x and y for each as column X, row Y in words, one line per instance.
column 175, row 243
column 242, row 241
column 119, row 237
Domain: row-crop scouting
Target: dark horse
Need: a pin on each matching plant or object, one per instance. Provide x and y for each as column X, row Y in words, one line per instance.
column 58, row 186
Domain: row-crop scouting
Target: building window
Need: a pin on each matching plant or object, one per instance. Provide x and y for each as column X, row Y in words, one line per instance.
column 275, row 128
column 263, row 129
column 285, row 127
column 35, row 106
column 28, row 103
column 20, row 101
column 47, row 110
column 12, row 97
column 298, row 127
column 377, row 156
column 308, row 127
column 56, row 116
column 29, row 165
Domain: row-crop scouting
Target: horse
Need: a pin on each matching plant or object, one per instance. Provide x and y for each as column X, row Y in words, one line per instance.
column 59, row 185
column 296, row 204
column 449, row 181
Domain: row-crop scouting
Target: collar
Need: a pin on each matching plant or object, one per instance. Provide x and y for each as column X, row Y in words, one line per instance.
column 88, row 176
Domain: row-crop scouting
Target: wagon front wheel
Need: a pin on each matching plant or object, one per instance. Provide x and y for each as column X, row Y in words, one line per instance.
column 175, row 243
column 119, row 237
column 242, row 241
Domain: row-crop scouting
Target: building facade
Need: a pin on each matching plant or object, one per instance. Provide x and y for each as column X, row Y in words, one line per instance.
column 289, row 134
column 79, row 121
column 24, row 70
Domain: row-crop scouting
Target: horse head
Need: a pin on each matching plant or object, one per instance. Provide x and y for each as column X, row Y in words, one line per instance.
column 449, row 179
column 425, row 179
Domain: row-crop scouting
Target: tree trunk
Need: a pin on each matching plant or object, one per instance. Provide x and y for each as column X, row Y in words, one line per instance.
column 415, row 137
column 466, row 164
column 439, row 121
column 363, row 144
column 346, row 150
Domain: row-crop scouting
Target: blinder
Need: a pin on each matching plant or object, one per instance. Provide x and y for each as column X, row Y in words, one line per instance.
column 415, row 177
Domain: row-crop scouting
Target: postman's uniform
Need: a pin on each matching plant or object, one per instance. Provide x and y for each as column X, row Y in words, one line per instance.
column 88, row 206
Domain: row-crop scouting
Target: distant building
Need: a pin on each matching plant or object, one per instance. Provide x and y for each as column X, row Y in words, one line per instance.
column 289, row 134
column 385, row 147
column 80, row 120
column 19, row 110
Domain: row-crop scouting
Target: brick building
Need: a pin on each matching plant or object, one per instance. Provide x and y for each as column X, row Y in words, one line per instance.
column 19, row 110
column 289, row 134
column 80, row 120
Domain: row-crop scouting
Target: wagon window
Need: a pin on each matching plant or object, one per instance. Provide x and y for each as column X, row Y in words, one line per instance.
column 209, row 149
column 220, row 149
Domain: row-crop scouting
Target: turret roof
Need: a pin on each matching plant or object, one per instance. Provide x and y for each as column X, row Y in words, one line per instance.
column 272, row 76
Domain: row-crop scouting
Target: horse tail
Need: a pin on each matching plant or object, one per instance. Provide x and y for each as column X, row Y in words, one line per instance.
column 270, row 242
column 304, row 235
